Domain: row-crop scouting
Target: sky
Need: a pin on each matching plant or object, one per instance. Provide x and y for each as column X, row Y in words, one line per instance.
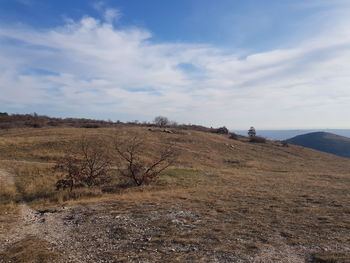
column 271, row 64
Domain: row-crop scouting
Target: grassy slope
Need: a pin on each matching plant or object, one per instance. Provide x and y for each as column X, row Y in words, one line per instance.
column 263, row 200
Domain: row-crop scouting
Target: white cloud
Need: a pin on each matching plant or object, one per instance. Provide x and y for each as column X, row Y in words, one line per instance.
column 92, row 68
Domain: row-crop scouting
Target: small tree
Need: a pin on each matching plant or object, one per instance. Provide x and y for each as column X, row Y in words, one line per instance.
column 96, row 161
column 251, row 132
column 161, row 121
column 87, row 164
column 134, row 165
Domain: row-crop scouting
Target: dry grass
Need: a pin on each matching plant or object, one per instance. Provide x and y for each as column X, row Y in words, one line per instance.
column 30, row 249
column 34, row 182
column 9, row 211
column 8, row 193
column 239, row 201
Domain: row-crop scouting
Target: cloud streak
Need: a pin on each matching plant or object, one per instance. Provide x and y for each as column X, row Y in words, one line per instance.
column 92, row 68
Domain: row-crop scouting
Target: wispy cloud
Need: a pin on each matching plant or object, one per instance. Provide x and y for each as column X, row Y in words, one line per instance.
column 96, row 69
column 110, row 15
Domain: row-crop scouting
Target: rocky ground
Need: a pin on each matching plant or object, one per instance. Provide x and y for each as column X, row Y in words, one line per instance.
column 97, row 233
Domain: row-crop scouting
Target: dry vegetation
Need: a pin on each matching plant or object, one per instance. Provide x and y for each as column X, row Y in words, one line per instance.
column 223, row 200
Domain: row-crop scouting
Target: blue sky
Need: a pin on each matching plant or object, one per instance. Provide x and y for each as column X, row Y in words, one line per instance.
column 272, row 64
column 249, row 24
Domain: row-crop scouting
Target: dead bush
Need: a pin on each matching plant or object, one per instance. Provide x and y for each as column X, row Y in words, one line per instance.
column 221, row 130
column 161, row 121
column 284, row 144
column 134, row 165
column 88, row 164
column 69, row 168
column 5, row 126
column 233, row 136
column 91, row 126
column 257, row 139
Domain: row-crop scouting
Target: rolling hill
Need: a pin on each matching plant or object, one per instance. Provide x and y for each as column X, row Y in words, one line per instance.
column 325, row 142
column 223, row 200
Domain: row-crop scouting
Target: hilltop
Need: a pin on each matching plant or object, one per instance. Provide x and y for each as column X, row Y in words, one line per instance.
column 223, row 200
column 325, row 142
column 34, row 120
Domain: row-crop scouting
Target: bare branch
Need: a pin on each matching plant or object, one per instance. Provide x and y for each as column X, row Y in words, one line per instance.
column 140, row 169
column 89, row 166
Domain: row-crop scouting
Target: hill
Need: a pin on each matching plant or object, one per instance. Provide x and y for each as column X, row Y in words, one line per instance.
column 287, row 134
column 325, row 142
column 223, row 200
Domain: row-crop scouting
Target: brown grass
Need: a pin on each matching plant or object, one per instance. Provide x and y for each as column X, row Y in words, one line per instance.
column 34, row 182
column 8, row 193
column 223, row 199
column 29, row 250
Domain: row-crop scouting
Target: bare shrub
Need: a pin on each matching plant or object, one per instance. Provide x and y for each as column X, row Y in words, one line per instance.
column 96, row 161
column 70, row 168
column 221, row 130
column 5, row 126
column 161, row 121
column 284, row 144
column 134, row 165
column 53, row 123
column 91, row 126
column 86, row 165
column 233, row 136
column 257, row 139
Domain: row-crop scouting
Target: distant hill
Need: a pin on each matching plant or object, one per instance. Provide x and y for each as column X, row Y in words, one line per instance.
column 11, row 121
column 325, row 142
column 286, row 134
